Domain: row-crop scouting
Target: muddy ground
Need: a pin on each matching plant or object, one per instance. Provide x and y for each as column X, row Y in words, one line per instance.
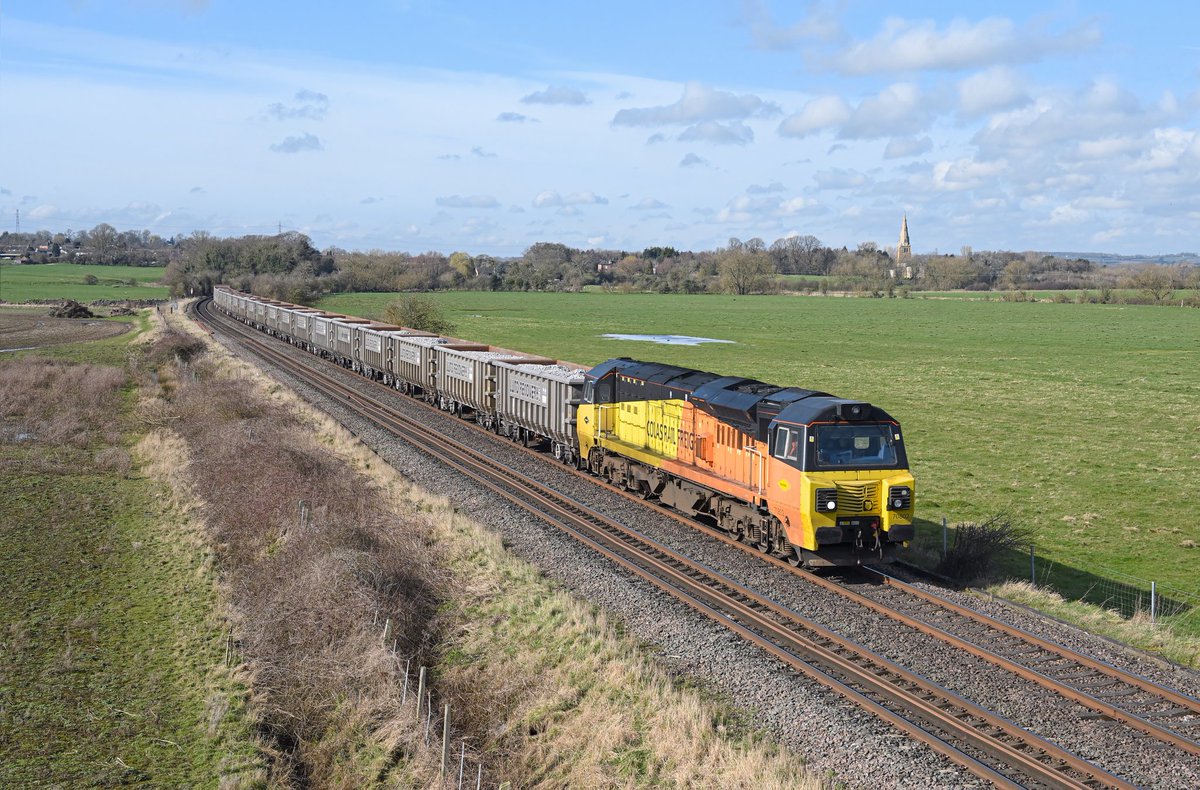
column 34, row 329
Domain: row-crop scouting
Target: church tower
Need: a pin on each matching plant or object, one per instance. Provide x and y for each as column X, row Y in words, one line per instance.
column 904, row 249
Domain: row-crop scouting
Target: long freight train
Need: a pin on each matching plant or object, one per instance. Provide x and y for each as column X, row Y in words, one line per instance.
column 804, row 475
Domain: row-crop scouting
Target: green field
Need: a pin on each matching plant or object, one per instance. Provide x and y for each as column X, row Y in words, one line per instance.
column 66, row 281
column 1083, row 421
column 111, row 655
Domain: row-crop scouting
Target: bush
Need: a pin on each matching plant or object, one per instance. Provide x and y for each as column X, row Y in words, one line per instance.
column 976, row 545
column 418, row 312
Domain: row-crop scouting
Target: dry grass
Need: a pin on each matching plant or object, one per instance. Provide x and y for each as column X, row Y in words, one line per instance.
column 557, row 698
column 1137, row 631
column 57, row 403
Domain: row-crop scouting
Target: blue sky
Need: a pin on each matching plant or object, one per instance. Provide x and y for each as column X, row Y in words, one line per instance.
column 487, row 127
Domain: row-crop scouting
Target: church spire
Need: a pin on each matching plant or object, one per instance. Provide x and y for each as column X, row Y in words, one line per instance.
column 904, row 248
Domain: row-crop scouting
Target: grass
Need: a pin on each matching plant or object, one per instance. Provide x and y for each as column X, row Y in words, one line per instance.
column 1116, row 294
column 112, row 351
column 66, row 281
column 576, row 704
column 1137, row 631
column 110, row 657
column 1081, row 421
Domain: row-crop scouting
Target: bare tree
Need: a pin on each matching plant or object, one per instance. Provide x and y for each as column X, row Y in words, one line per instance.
column 744, row 271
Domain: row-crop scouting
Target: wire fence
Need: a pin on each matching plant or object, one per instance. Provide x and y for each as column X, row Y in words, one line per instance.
column 1173, row 608
column 1132, row 596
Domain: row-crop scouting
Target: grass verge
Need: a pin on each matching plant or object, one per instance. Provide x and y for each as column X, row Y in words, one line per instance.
column 110, row 656
column 1137, row 631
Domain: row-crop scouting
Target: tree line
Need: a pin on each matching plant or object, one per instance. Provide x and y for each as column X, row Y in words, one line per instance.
column 288, row 267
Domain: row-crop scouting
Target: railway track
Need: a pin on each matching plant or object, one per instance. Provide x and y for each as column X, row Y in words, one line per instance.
column 982, row 742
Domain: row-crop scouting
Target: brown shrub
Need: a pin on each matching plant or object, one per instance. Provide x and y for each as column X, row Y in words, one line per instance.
column 60, row 402
column 315, row 564
column 114, row 459
column 976, row 545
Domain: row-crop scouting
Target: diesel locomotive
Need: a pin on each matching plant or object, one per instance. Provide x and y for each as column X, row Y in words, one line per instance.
column 812, row 478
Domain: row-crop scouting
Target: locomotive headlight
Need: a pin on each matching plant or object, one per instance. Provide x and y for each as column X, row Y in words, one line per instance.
column 899, row 498
column 827, row 499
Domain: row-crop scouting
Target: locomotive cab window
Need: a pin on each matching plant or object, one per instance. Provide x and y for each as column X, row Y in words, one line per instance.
column 787, row 443
column 859, row 446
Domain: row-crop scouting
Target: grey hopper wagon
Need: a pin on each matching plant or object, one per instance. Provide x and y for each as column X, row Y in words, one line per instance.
column 466, row 379
column 536, row 399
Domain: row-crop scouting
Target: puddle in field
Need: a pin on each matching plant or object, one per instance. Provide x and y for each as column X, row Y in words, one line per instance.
column 670, row 340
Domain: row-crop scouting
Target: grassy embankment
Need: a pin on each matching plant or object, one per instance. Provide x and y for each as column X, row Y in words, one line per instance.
column 111, row 654
column 1080, row 420
column 23, row 283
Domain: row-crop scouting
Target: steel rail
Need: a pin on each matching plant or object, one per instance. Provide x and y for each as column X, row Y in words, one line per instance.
column 1013, row 745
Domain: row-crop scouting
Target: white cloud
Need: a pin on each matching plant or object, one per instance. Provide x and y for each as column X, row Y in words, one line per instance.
column 900, row 147
column 551, row 198
column 293, row 145
column 820, row 23
column 556, row 94
column 305, row 104
column 44, row 211
column 1102, row 202
column 897, row 109
column 649, row 204
column 735, row 133
column 839, row 179
column 904, row 45
column 797, row 205
column 691, row 160
column 823, row 112
column 996, row 89
column 699, row 103
column 1067, row 215
column 1108, row 148
column 513, row 117
column 761, row 189
column 964, row 174
column 468, row 201
column 1168, row 151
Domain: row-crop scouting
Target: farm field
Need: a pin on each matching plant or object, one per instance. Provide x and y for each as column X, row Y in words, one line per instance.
column 1081, row 421
column 66, row 281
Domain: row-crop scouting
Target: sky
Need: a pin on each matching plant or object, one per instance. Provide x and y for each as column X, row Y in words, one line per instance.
column 486, row 127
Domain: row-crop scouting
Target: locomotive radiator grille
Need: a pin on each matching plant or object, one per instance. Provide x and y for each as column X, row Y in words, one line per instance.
column 858, row 497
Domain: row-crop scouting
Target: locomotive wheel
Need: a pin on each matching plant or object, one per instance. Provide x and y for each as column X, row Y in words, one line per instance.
column 739, row 532
column 793, row 557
